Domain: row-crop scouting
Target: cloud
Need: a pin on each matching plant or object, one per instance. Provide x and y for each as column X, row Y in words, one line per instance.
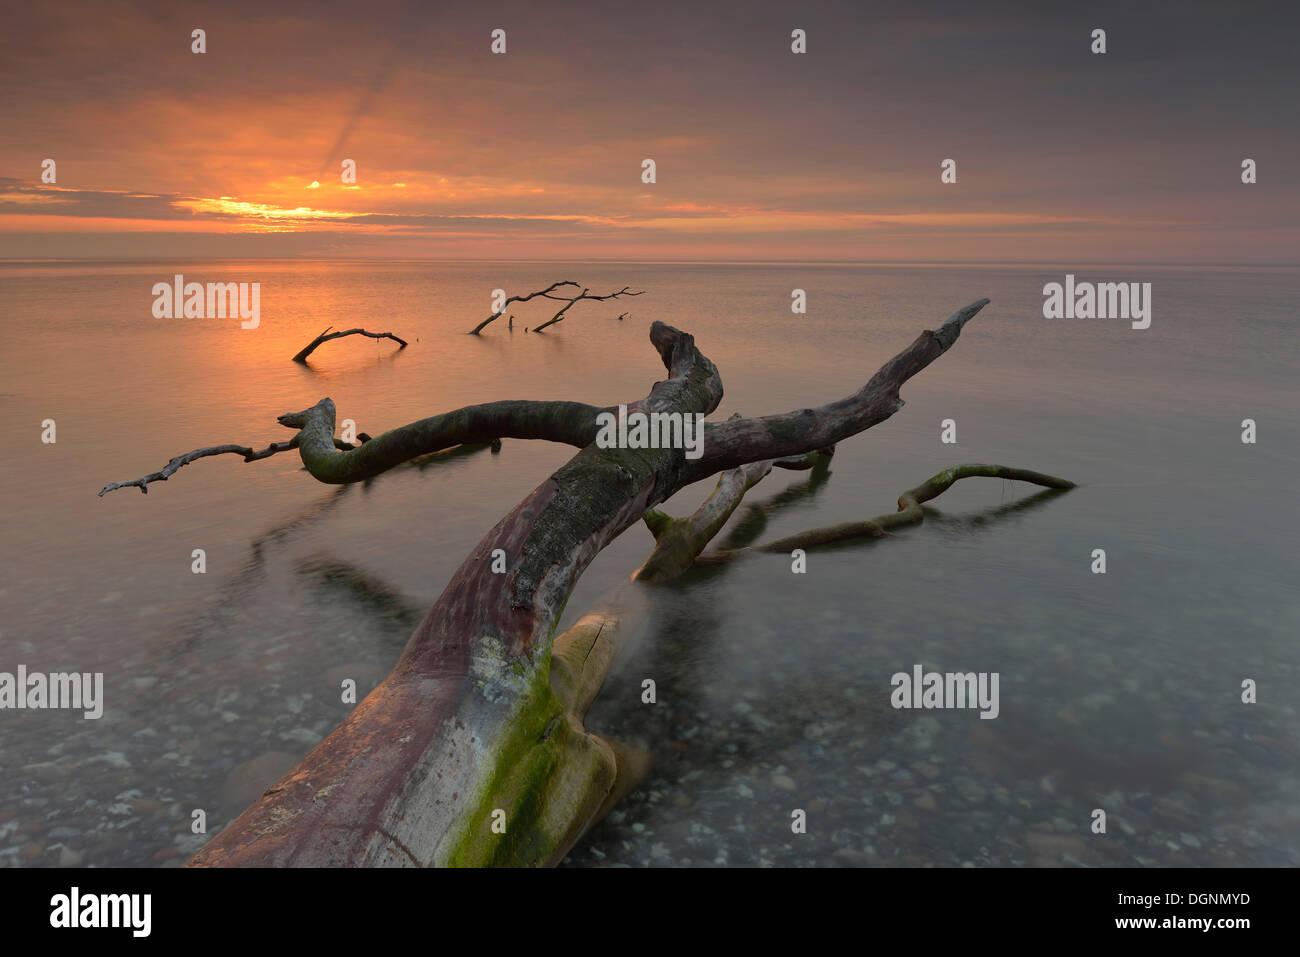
column 755, row 147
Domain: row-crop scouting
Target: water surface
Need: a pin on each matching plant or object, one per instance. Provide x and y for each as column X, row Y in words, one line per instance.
column 1118, row 691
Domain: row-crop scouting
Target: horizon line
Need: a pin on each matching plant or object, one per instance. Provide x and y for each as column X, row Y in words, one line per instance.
column 654, row 262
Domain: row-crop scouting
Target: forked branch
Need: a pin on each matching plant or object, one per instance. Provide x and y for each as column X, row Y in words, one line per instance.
column 559, row 316
column 547, row 293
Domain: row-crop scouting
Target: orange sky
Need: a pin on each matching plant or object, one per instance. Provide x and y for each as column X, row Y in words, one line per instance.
column 1062, row 155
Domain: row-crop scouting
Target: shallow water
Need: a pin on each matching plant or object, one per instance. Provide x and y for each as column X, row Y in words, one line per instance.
column 1118, row 691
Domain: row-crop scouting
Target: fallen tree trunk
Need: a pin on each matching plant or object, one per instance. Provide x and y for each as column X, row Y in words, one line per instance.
column 472, row 752
column 322, row 338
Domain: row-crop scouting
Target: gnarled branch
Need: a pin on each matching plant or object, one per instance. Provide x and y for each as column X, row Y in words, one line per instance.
column 738, row 441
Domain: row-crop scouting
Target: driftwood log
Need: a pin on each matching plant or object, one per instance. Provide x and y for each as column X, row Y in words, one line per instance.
column 472, row 751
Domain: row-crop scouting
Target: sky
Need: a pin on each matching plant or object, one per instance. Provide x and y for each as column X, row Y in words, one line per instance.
column 1062, row 154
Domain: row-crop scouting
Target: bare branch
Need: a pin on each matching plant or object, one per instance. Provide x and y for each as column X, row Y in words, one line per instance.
column 547, row 294
column 336, row 462
column 312, row 346
column 532, row 295
column 736, row 442
column 170, row 469
column 559, row 316
column 694, row 383
column 571, row 423
column 909, row 512
column 179, row 461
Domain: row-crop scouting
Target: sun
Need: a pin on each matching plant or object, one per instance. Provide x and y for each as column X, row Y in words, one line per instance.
column 314, row 185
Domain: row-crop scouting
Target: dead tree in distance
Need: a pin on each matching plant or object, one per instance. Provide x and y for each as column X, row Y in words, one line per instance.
column 547, row 293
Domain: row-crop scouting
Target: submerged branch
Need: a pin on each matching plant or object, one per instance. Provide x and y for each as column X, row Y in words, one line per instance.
column 679, row 540
column 909, row 512
column 559, row 316
column 322, row 338
column 547, row 294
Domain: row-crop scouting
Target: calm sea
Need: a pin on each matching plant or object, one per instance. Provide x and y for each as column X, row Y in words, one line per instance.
column 1120, row 692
